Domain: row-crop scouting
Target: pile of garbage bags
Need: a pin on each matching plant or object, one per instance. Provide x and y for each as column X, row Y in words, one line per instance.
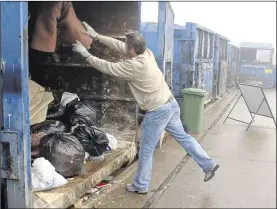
column 67, row 135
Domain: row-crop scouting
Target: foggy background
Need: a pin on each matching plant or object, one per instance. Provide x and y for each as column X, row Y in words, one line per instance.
column 238, row 21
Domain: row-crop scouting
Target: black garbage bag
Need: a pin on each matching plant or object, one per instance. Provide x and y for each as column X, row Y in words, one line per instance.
column 95, row 142
column 49, row 126
column 62, row 113
column 83, row 115
column 55, row 112
column 64, row 152
column 70, row 108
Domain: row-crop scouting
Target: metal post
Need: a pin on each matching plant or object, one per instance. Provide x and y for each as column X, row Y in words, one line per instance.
column 16, row 120
column 231, row 110
column 269, row 108
column 253, row 117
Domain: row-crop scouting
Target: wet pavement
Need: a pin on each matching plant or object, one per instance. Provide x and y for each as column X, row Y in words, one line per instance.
column 247, row 176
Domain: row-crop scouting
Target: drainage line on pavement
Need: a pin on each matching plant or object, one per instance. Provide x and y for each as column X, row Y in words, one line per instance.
column 161, row 189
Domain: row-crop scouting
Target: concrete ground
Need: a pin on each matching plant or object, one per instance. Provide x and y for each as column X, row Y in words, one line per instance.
column 246, row 178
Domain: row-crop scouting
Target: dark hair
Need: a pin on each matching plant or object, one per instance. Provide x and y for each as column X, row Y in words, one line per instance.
column 135, row 41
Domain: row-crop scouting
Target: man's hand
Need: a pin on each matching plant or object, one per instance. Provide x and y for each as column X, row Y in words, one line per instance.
column 79, row 48
column 90, row 32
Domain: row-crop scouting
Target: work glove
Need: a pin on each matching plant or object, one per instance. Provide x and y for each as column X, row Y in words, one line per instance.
column 90, row 32
column 79, row 48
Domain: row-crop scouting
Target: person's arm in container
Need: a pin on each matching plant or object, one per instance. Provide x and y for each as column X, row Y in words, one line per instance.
column 124, row 70
column 108, row 41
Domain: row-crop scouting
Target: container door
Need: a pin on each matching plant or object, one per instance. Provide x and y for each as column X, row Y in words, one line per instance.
column 230, row 67
column 215, row 68
column 223, row 66
column 165, row 40
column 15, row 153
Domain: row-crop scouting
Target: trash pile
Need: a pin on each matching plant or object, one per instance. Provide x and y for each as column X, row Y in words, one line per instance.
column 64, row 138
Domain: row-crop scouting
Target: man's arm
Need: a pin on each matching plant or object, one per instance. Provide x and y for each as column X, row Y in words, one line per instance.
column 109, row 42
column 113, row 44
column 124, row 70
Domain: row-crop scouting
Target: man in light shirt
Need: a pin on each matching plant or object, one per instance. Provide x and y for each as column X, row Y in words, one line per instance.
column 150, row 90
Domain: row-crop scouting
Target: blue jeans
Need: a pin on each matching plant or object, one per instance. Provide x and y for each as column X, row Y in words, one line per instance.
column 166, row 117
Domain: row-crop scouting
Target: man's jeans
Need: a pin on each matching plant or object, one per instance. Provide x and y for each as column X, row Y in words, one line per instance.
column 165, row 117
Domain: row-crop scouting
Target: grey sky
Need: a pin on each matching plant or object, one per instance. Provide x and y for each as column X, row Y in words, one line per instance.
column 238, row 21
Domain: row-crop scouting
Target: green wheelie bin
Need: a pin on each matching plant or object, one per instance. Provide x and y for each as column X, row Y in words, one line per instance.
column 193, row 109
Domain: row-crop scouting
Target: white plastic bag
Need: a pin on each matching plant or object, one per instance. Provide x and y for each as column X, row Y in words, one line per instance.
column 68, row 97
column 44, row 176
column 112, row 141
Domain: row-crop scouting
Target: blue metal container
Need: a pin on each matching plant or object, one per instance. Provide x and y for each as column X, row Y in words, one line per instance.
column 150, row 34
column 15, row 126
column 274, row 76
column 256, row 64
column 159, row 39
column 220, row 65
column 193, row 58
column 233, row 64
column 261, row 75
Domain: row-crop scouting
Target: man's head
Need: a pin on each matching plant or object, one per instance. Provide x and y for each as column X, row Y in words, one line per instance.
column 135, row 44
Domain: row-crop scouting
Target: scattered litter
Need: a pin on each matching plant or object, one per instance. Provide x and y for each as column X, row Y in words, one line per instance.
column 117, row 182
column 92, row 191
column 100, row 185
column 108, row 179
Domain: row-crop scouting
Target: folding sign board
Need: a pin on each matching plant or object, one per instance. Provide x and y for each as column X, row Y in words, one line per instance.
column 256, row 102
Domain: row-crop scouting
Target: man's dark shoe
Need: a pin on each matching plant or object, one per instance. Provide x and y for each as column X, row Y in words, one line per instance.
column 211, row 173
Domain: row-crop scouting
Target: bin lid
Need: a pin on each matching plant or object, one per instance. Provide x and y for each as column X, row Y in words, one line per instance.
column 194, row 91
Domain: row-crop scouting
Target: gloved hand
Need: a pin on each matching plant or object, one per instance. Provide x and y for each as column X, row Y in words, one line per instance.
column 89, row 31
column 79, row 48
